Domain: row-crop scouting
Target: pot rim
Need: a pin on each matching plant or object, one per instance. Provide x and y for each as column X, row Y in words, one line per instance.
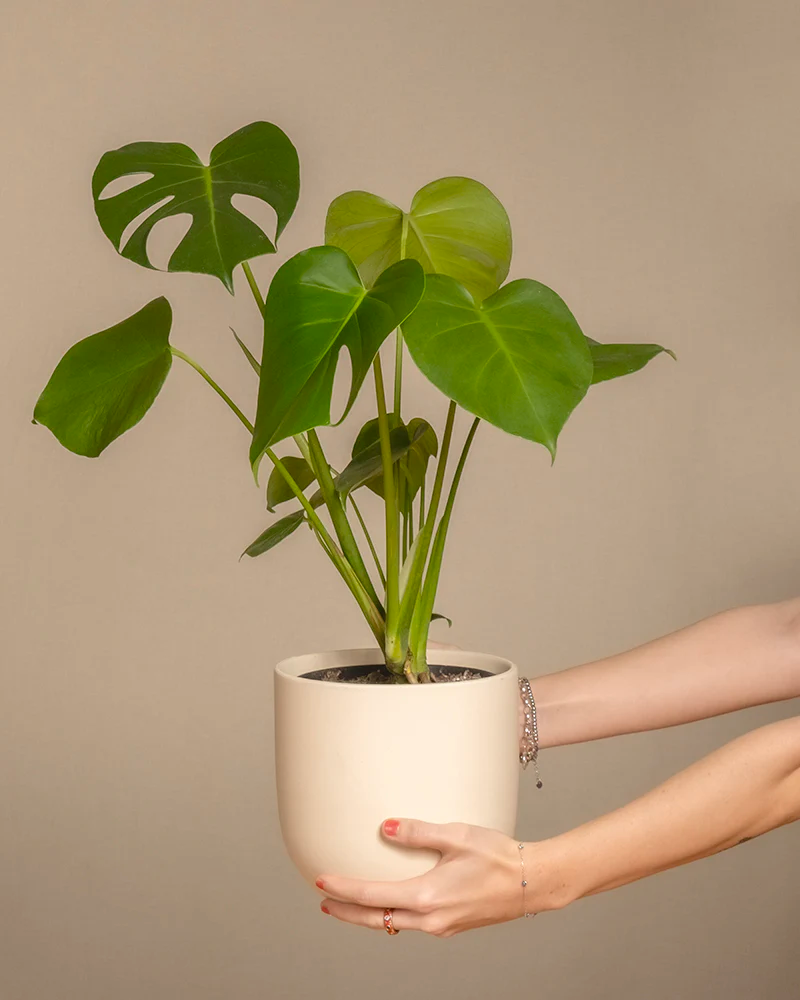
column 290, row 668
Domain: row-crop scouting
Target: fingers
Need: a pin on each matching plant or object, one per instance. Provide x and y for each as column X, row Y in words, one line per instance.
column 446, row 838
column 402, row 920
column 413, row 894
column 409, row 894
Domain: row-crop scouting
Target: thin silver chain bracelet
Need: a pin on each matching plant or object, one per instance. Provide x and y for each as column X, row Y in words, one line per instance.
column 524, row 883
column 529, row 744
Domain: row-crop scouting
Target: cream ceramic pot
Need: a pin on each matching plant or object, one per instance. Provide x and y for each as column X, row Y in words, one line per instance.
column 349, row 756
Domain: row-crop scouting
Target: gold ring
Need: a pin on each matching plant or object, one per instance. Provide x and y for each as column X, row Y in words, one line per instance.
column 387, row 922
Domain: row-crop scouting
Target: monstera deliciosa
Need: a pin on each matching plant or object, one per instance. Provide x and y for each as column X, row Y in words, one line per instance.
column 510, row 354
column 258, row 160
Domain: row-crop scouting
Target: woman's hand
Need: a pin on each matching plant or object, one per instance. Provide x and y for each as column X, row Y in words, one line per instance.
column 476, row 882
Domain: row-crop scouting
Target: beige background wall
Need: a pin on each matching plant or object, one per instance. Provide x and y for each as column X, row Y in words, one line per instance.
column 648, row 153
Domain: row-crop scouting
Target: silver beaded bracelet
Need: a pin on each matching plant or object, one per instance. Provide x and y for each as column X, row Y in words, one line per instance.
column 529, row 744
column 524, row 883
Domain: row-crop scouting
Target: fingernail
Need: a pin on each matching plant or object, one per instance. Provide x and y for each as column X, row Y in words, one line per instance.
column 320, row 884
column 391, row 826
column 324, row 909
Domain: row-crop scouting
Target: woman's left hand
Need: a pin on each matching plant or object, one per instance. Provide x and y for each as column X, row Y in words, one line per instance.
column 476, row 882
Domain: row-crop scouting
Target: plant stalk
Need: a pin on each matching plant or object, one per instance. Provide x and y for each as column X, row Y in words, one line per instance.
column 338, row 514
column 251, row 281
column 371, row 612
column 394, row 651
column 415, row 576
column 421, row 620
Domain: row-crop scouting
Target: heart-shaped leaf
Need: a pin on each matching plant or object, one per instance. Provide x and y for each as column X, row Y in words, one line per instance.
column 317, row 305
column 423, row 446
column 519, row 360
column 257, row 160
column 275, row 534
column 278, row 490
column 456, row 226
column 106, row 383
column 614, row 360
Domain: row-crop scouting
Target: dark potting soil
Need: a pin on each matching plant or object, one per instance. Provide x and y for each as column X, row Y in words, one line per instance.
column 370, row 674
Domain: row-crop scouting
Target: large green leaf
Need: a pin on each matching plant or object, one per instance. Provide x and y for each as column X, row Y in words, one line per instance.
column 278, row 490
column 456, row 226
column 106, row 383
column 275, row 534
column 615, row 360
column 519, row 360
column 316, row 306
column 257, row 160
column 422, row 447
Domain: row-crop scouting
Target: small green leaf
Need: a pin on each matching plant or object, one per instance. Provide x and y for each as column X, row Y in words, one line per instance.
column 449, row 621
column 614, row 360
column 106, row 383
column 247, row 352
column 423, row 445
column 257, row 160
column 368, row 461
column 278, row 490
column 456, row 226
column 317, row 305
column 275, row 534
column 519, row 360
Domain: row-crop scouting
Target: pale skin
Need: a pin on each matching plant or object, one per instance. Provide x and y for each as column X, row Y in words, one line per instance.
column 740, row 658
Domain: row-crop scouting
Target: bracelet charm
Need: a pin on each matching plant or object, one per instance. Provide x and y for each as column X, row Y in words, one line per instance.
column 529, row 744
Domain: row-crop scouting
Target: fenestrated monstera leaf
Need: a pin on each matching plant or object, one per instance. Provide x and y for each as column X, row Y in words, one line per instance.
column 615, row 360
column 456, row 226
column 519, row 360
column 423, row 445
column 317, row 305
column 106, row 383
column 257, row 160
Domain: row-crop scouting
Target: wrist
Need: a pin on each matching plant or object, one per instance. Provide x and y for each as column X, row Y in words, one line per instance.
column 553, row 876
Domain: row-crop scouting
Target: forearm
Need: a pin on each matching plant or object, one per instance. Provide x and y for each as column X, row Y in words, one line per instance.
column 743, row 790
column 736, row 659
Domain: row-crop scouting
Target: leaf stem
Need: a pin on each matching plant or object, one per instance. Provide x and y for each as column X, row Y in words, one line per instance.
column 368, row 537
column 365, row 602
column 420, row 623
column 338, row 514
column 394, row 652
column 416, row 572
column 251, row 281
column 220, row 392
column 398, row 344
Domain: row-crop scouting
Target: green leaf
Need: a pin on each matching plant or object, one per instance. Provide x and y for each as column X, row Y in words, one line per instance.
column 449, row 621
column 278, row 490
column 362, row 469
column 614, row 360
column 247, row 352
column 275, row 534
column 423, row 445
column 257, row 160
column 456, row 226
column 519, row 360
column 106, row 383
column 316, row 306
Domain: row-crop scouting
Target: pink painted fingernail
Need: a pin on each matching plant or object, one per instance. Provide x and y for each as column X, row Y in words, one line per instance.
column 320, row 884
column 324, row 909
column 391, row 826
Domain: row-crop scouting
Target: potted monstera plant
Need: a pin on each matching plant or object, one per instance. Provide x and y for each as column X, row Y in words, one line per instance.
column 349, row 723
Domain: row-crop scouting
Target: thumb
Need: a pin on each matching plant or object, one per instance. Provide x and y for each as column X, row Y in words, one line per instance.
column 444, row 837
